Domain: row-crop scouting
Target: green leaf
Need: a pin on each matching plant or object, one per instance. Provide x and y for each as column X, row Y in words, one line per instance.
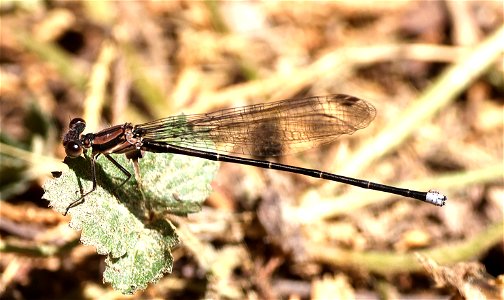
column 137, row 268
column 125, row 221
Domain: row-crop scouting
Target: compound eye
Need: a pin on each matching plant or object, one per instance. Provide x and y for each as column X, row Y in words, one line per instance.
column 76, row 121
column 73, row 149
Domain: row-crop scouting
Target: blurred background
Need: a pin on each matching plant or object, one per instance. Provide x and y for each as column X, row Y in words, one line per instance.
column 433, row 70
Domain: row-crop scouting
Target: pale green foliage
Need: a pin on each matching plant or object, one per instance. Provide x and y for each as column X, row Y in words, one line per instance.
column 126, row 223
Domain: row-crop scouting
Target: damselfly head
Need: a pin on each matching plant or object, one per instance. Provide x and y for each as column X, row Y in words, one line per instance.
column 71, row 140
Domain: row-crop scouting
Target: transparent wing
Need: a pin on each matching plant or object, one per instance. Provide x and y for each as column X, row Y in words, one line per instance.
column 270, row 129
